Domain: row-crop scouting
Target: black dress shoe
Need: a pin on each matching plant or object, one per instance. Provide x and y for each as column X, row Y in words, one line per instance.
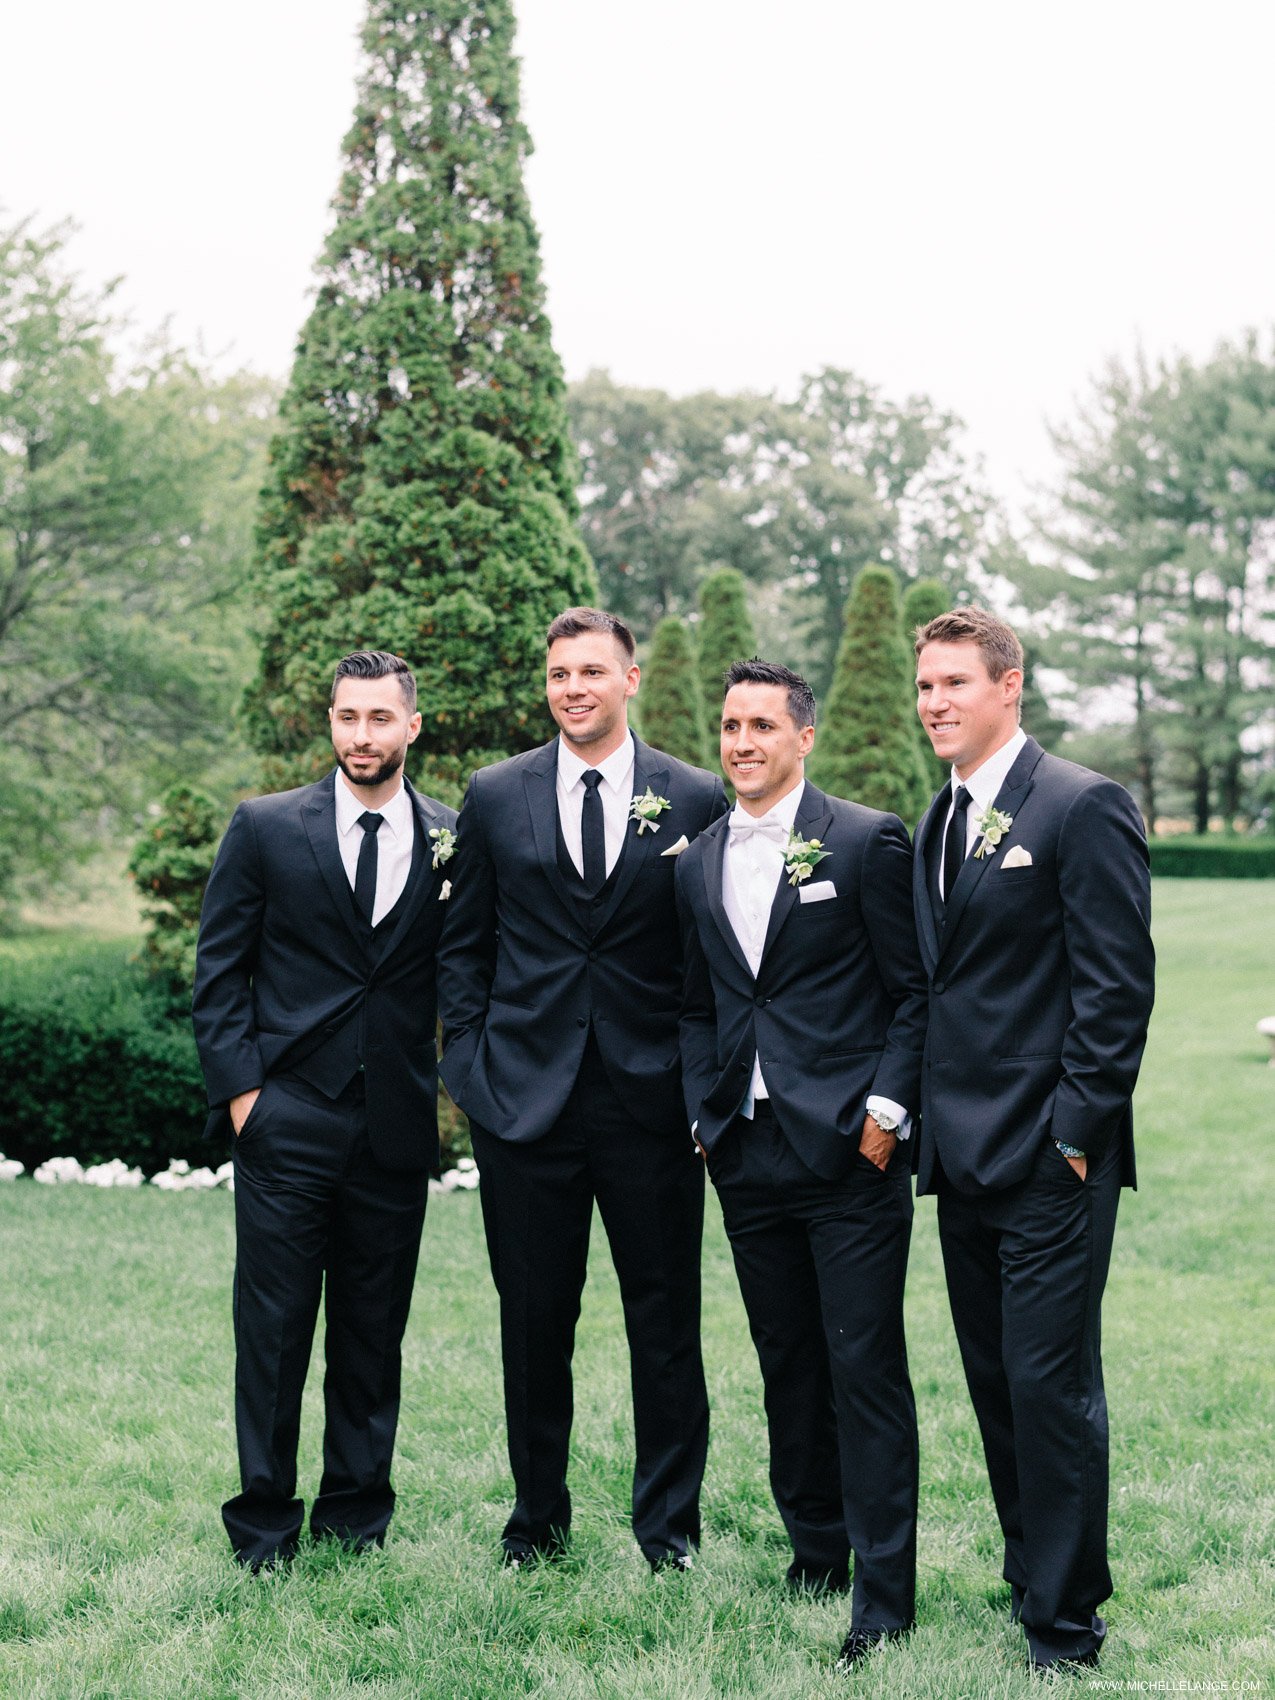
column 860, row 1642
column 1076, row 1667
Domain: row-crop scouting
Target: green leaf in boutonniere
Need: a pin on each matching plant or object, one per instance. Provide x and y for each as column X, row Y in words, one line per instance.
column 444, row 845
column 645, row 810
column 993, row 824
column 802, row 858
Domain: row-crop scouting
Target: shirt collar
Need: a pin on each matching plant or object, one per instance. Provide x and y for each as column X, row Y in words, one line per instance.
column 397, row 813
column 615, row 770
column 784, row 811
column 985, row 782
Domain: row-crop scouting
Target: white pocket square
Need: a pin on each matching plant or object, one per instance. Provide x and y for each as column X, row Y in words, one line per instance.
column 819, row 892
column 683, row 843
column 444, row 891
column 1017, row 857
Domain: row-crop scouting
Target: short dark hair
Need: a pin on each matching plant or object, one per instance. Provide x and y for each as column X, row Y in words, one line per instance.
column 997, row 643
column 377, row 664
column 801, row 699
column 574, row 622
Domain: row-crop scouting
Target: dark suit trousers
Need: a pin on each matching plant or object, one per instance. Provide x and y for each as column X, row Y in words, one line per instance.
column 537, row 1201
column 821, row 1267
column 1026, row 1269
column 315, row 1213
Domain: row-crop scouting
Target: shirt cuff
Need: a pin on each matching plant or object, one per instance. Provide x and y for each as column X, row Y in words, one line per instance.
column 895, row 1111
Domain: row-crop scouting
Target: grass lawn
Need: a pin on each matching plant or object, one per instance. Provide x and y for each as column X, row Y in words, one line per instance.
column 116, row 1445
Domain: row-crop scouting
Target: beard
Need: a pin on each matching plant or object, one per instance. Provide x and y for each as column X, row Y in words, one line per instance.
column 374, row 776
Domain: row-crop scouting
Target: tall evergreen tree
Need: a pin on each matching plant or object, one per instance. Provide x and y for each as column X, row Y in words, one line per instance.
column 672, row 716
column 867, row 749
column 422, row 496
column 922, row 602
column 725, row 634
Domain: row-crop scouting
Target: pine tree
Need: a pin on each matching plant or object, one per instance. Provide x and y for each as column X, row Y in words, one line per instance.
column 924, row 601
column 725, row 634
column 867, row 747
column 422, row 491
column 672, row 718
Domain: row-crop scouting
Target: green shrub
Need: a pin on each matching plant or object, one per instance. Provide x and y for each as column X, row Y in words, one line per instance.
column 1214, row 858
column 90, row 1066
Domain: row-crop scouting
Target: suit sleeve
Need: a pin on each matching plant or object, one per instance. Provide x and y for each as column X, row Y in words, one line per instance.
column 229, row 935
column 467, row 948
column 1104, row 880
column 886, row 888
column 697, row 1020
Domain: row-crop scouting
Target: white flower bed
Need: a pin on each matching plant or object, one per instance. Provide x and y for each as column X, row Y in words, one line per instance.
column 180, row 1177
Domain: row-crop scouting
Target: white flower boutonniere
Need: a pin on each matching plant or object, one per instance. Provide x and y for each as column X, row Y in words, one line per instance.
column 993, row 824
column 444, row 845
column 802, row 858
column 646, row 809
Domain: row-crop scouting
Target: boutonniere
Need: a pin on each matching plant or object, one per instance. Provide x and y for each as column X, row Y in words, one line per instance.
column 444, row 845
column 993, row 824
column 802, row 858
column 646, row 809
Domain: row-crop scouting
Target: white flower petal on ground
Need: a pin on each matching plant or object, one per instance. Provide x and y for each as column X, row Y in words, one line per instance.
column 10, row 1168
column 58, row 1171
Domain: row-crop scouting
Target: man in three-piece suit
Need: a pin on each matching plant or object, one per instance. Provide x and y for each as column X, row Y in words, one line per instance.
column 802, row 1035
column 314, row 1013
column 560, row 980
column 1032, row 895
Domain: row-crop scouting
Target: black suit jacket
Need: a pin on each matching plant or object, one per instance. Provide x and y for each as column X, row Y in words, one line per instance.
column 837, row 1009
column 1041, row 979
column 525, row 969
column 284, row 969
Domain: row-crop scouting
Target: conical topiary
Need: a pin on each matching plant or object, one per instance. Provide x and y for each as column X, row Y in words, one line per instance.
column 672, row 718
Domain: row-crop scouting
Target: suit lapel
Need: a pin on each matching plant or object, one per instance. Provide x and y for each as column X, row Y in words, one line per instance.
column 713, row 864
column 422, row 877
column 814, row 818
column 1009, row 799
column 922, row 900
column 319, row 816
column 649, row 770
column 540, row 784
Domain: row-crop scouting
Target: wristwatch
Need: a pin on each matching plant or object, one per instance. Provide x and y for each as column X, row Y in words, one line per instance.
column 885, row 1121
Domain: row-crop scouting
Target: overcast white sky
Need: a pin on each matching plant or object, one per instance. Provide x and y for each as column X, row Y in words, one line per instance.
column 980, row 200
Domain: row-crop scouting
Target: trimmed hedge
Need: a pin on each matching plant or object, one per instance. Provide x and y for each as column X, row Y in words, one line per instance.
column 1214, row 858
column 90, row 1066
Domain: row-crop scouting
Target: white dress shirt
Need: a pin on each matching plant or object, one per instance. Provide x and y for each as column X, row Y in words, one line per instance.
column 983, row 786
column 753, row 866
column 394, row 842
column 616, row 792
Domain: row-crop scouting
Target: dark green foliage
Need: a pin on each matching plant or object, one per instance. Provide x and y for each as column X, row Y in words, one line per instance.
column 1214, row 858
column 922, row 602
column 1038, row 717
column 724, row 634
column 867, row 744
column 672, row 717
column 171, row 863
column 422, row 496
column 90, row 1065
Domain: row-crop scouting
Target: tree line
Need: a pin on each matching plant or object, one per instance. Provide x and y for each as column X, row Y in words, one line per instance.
column 431, row 485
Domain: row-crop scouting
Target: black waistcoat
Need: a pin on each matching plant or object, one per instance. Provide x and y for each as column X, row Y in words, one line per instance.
column 587, row 908
column 338, row 1055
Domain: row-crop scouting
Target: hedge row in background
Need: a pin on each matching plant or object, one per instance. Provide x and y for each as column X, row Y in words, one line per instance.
column 90, row 1067
column 1214, row 858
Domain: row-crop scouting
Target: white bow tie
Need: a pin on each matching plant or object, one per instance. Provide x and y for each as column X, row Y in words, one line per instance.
column 743, row 827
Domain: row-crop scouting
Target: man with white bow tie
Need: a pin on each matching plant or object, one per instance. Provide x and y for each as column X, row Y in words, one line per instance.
column 802, row 1033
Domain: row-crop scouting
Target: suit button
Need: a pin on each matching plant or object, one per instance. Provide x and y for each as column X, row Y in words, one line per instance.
column 761, row 1002
column 581, row 1021
column 593, row 956
column 940, row 986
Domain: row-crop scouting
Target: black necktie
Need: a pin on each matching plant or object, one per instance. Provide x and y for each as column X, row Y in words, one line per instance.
column 954, row 841
column 365, row 873
column 593, row 838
